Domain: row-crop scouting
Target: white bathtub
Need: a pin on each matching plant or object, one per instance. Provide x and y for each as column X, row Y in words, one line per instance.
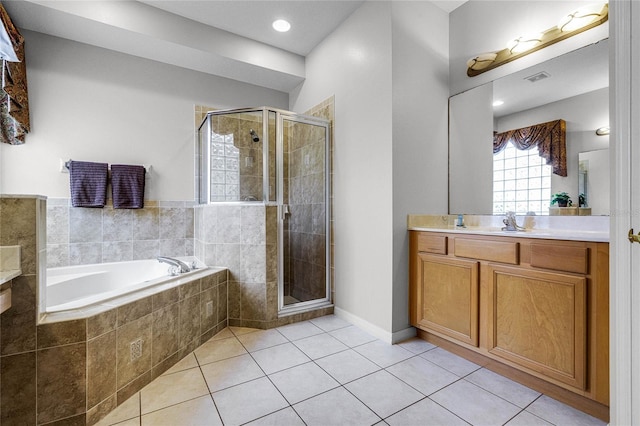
column 78, row 287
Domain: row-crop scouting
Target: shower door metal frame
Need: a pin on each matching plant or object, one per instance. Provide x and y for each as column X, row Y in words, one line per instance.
column 283, row 309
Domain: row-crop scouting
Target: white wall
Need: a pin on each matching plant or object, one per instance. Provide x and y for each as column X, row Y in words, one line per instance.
column 486, row 26
column 471, row 151
column 93, row 104
column 420, row 91
column 354, row 64
column 387, row 66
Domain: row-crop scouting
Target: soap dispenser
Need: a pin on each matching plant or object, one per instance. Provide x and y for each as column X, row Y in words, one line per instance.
column 460, row 222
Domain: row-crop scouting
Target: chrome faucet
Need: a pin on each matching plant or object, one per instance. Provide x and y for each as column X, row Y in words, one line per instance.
column 510, row 221
column 179, row 264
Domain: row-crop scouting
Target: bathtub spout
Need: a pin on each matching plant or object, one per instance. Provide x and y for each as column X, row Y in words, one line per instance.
column 182, row 267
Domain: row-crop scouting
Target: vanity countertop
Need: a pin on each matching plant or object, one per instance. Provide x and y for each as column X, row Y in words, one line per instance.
column 547, row 234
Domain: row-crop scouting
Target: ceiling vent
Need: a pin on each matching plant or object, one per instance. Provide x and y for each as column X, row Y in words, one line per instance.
column 537, row 77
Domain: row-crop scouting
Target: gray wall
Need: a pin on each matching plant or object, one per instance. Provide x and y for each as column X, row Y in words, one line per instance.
column 93, row 104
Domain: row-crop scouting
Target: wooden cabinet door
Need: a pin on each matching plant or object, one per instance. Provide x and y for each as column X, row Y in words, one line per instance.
column 447, row 297
column 539, row 322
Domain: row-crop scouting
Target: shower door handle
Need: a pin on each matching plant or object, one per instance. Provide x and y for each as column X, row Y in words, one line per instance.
column 284, row 211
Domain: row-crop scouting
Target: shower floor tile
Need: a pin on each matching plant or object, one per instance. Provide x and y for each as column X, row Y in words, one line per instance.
column 327, row 371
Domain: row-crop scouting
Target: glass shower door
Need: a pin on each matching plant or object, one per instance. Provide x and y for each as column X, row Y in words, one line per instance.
column 304, row 213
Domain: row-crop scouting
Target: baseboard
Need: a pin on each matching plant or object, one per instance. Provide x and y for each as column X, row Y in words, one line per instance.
column 374, row 330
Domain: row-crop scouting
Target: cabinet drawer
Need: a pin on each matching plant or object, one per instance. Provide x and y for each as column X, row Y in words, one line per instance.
column 432, row 243
column 493, row 251
column 560, row 258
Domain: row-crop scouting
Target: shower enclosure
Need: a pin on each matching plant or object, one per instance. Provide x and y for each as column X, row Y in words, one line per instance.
column 280, row 159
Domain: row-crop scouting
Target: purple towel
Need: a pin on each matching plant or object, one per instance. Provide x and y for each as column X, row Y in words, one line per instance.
column 88, row 183
column 127, row 184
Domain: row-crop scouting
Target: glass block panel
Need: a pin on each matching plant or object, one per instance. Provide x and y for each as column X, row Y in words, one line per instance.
column 522, row 162
column 521, row 182
column 510, row 185
column 217, row 163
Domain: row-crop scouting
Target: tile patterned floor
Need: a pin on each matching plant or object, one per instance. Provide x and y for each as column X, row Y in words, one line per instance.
column 329, row 372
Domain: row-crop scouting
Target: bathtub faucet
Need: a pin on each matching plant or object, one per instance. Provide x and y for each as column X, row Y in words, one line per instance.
column 179, row 264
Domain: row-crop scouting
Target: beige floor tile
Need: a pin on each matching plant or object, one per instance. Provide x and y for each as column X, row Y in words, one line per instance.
column 195, row 412
column 451, row 362
column 384, row 393
column 330, row 322
column 416, row 345
column 383, row 353
column 336, row 407
column 286, row 417
column 130, row 409
column 423, row 375
column 560, row 414
column 238, row 331
column 184, row 364
column 347, row 366
column 216, row 350
column 505, row 388
column 425, row 413
column 130, row 422
column 261, row 339
column 224, row 334
column 302, row 382
column 475, row 405
column 248, row 401
column 172, row 389
column 527, row 419
column 279, row 357
column 299, row 330
column 230, row 372
column 352, row 336
column 320, row 345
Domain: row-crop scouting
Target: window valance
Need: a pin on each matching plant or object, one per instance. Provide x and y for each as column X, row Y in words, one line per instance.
column 14, row 100
column 549, row 138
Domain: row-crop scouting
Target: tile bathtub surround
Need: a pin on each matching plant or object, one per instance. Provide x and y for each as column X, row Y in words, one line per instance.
column 76, row 372
column 79, row 236
column 292, row 375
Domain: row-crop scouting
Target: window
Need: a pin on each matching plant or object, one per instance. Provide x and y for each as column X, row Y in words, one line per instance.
column 225, row 170
column 521, row 182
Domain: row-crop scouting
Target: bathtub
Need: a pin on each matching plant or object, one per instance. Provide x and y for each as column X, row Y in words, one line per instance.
column 84, row 286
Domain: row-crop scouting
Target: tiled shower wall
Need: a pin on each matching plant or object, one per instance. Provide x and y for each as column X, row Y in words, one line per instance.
column 80, row 236
column 244, row 238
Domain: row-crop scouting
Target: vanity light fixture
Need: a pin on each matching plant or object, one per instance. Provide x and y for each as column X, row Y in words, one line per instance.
column 281, row 25
column 523, row 43
column 497, row 103
column 574, row 23
column 603, row 131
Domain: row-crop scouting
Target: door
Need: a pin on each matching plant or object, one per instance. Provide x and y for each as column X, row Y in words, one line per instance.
column 304, row 212
column 539, row 320
column 447, row 297
column 625, row 190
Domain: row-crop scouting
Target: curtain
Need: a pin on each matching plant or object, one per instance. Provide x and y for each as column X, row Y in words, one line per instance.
column 14, row 102
column 549, row 138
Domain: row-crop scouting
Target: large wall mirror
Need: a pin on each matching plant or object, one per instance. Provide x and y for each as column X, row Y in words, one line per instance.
column 572, row 87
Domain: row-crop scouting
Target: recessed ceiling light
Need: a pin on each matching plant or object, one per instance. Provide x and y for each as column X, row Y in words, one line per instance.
column 281, row 25
column 497, row 103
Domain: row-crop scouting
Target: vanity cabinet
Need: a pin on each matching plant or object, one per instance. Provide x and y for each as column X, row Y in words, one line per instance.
column 443, row 282
column 537, row 306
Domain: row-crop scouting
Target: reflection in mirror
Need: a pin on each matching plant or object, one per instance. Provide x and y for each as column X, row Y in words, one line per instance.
column 572, row 87
column 593, row 180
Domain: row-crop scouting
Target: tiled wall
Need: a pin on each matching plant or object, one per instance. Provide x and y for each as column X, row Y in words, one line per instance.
column 75, row 372
column 244, row 239
column 80, row 236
